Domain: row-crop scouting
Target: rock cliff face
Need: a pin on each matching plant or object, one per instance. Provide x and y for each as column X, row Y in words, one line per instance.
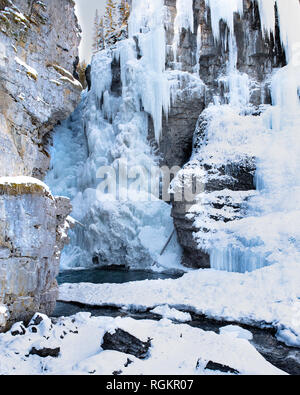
column 38, row 46
column 33, row 231
column 257, row 56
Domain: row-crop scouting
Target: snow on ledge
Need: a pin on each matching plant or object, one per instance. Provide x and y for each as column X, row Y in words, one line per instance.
column 30, row 71
column 23, row 185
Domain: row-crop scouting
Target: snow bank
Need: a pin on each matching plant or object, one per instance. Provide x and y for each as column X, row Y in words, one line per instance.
column 171, row 314
column 175, row 349
column 266, row 297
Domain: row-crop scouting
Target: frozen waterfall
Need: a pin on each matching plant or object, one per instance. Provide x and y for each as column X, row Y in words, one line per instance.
column 269, row 232
column 124, row 223
column 110, row 130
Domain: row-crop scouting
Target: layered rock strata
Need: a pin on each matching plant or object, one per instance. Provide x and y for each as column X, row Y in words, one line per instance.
column 34, row 227
column 38, row 46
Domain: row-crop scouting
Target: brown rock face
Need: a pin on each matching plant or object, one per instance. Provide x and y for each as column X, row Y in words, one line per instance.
column 38, row 45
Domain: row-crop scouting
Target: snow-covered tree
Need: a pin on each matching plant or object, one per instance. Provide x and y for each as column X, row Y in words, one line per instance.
column 101, row 38
column 124, row 12
column 111, row 22
column 113, row 26
column 96, row 32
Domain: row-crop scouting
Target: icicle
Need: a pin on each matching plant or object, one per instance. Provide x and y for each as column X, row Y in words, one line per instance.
column 198, row 51
column 147, row 24
column 223, row 10
column 101, row 75
column 289, row 21
column 278, row 151
column 267, row 15
column 184, row 20
column 289, row 17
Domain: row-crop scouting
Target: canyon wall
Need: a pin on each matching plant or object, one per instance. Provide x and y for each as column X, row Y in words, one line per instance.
column 38, row 47
column 200, row 53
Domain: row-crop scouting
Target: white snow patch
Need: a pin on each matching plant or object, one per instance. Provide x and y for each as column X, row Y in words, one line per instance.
column 266, row 297
column 175, row 349
column 30, row 71
column 171, row 313
column 4, row 315
column 236, row 331
column 23, row 180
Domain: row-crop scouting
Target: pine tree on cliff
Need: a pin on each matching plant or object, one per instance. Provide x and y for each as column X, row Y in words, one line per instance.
column 100, row 37
column 116, row 21
column 96, row 32
column 113, row 26
column 110, row 22
column 124, row 12
column 81, row 73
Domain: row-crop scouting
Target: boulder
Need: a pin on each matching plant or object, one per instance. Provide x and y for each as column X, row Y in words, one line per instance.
column 126, row 343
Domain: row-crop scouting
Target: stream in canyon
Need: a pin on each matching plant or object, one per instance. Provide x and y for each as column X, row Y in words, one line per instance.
column 264, row 340
column 101, row 276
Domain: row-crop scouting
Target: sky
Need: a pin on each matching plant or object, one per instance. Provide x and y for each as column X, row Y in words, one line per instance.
column 85, row 10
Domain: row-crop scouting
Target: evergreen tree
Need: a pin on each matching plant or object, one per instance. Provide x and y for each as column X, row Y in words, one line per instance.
column 111, row 22
column 113, row 26
column 101, row 39
column 96, row 32
column 124, row 12
column 81, row 72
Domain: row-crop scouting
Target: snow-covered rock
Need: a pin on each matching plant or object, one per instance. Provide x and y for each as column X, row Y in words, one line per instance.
column 246, row 139
column 73, row 346
column 171, row 313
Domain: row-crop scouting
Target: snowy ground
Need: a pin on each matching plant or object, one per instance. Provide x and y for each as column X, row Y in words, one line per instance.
column 269, row 296
column 175, row 349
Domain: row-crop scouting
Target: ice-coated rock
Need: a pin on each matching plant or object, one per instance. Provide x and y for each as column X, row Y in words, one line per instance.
column 234, row 68
column 33, row 227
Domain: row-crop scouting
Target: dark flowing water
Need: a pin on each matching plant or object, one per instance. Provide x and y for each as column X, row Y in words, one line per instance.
column 100, row 276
